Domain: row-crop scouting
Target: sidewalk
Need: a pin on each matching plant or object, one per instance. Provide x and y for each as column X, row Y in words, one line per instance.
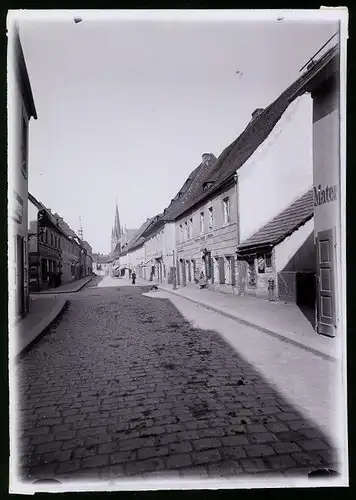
column 284, row 321
column 42, row 312
column 74, row 286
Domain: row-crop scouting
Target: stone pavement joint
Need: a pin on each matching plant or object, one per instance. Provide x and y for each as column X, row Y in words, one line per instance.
column 205, row 410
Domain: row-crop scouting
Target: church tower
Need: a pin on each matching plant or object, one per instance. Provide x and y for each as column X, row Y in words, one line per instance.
column 116, row 231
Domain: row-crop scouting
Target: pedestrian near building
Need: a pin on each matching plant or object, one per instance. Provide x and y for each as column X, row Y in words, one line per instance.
column 133, row 275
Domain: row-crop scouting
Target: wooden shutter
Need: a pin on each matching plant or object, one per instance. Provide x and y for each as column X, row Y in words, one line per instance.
column 233, row 270
column 222, row 270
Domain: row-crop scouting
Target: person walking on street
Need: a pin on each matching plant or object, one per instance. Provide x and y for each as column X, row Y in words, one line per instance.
column 133, row 275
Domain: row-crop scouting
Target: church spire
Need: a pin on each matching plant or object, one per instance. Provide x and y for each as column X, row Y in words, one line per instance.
column 117, row 227
column 116, row 230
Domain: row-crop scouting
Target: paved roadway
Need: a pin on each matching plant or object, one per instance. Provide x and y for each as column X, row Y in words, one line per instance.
column 124, row 385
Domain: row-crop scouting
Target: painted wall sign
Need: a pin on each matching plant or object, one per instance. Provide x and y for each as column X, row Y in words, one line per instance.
column 324, row 195
column 18, row 208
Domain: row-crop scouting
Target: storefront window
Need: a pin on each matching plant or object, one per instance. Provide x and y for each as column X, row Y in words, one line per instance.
column 264, row 262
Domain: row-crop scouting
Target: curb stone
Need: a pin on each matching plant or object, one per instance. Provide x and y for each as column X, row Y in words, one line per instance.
column 40, row 329
column 250, row 324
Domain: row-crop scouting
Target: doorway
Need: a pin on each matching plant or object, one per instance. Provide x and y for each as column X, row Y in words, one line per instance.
column 20, row 307
column 326, row 322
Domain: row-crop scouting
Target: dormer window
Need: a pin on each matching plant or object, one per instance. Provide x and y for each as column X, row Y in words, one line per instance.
column 207, row 185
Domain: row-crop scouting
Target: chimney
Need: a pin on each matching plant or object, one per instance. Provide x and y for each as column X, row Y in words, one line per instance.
column 257, row 112
column 205, row 157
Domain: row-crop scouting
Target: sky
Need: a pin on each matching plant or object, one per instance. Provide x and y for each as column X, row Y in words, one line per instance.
column 127, row 108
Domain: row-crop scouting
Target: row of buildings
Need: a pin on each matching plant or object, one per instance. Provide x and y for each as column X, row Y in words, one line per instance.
column 57, row 255
column 43, row 251
column 264, row 216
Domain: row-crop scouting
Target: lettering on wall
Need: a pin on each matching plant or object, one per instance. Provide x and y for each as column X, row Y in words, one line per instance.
column 324, row 195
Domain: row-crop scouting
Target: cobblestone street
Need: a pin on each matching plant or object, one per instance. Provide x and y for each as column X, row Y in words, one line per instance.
column 122, row 385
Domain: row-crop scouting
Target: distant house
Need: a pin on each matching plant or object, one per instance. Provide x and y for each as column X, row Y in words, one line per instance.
column 154, row 247
column 101, row 264
column 45, row 243
column 56, row 254
column 88, row 258
column 133, row 255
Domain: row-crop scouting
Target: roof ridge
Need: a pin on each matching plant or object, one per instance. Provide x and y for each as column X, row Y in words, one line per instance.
column 255, row 133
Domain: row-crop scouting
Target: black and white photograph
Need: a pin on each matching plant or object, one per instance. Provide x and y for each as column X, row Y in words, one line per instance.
column 176, row 262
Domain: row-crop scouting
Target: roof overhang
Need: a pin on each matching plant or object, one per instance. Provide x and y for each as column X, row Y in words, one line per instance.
column 154, row 225
column 250, row 250
column 22, row 75
column 321, row 72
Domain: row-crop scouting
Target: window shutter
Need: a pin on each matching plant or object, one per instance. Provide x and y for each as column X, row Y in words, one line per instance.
column 232, row 263
column 222, row 270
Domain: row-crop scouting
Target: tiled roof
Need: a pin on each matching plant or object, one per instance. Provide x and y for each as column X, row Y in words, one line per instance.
column 101, row 259
column 137, row 239
column 53, row 218
column 256, row 132
column 190, row 189
column 155, row 222
column 283, row 224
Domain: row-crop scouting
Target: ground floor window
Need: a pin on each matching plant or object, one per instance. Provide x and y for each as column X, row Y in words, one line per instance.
column 189, row 271
column 264, row 262
column 221, row 262
column 227, row 269
column 215, row 276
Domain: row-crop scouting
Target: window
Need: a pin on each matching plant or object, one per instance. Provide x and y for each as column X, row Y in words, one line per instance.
column 228, row 270
column 191, row 227
column 202, row 222
column 211, row 221
column 52, row 239
column 226, row 210
column 181, row 232
column 264, row 262
column 186, row 228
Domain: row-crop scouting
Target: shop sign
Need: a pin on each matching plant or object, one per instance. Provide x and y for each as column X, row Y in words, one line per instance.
column 48, row 254
column 18, row 208
column 324, row 195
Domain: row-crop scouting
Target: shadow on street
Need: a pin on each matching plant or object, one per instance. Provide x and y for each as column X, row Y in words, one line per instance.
column 124, row 386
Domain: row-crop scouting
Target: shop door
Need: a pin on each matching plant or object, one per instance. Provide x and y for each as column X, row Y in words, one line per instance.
column 208, row 265
column 325, row 284
column 184, row 278
column 20, row 276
